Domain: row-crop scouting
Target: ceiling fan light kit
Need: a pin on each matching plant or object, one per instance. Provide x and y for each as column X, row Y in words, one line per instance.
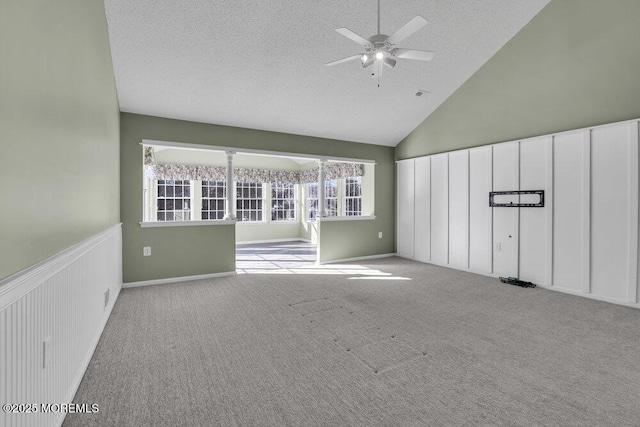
column 381, row 49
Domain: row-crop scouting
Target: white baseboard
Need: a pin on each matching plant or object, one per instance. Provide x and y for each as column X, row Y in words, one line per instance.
column 177, row 279
column 590, row 296
column 551, row 288
column 360, row 258
column 254, row 242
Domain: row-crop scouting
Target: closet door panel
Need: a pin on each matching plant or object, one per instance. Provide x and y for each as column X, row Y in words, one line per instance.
column 610, row 180
column 459, row 209
column 480, row 184
column 569, row 201
column 505, row 220
column 405, row 208
column 533, row 237
column 440, row 209
column 422, row 217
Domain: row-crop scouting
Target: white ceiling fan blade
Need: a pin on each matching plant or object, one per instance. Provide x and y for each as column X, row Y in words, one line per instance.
column 407, row 29
column 353, row 36
column 419, row 55
column 340, row 61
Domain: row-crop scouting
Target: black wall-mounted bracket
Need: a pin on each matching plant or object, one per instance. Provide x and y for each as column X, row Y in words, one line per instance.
column 539, row 204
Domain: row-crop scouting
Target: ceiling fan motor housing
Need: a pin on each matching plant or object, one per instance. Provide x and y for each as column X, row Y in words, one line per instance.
column 379, row 43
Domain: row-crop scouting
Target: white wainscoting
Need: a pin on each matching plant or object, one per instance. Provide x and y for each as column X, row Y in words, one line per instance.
column 60, row 300
column 584, row 241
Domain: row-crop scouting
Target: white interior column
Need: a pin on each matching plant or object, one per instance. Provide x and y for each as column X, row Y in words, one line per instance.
column 321, row 202
column 231, row 200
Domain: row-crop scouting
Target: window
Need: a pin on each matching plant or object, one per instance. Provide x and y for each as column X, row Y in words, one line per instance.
column 283, row 202
column 174, row 200
column 331, row 197
column 352, row 200
column 312, row 200
column 180, row 186
column 213, row 199
column 249, row 201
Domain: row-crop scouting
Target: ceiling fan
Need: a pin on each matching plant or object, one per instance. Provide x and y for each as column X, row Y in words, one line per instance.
column 381, row 49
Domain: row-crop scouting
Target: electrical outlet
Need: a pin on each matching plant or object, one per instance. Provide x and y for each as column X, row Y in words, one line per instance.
column 146, row 251
column 46, row 353
column 379, row 234
column 498, row 247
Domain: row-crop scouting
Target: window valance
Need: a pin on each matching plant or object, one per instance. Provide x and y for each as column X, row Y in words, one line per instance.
column 219, row 173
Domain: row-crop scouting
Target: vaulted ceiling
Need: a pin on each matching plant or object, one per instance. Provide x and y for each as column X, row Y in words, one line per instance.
column 260, row 64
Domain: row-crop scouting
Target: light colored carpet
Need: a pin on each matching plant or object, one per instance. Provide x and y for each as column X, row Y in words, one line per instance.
column 443, row 348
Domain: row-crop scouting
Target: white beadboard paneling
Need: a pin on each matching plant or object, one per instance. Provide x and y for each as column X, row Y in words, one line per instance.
column 440, row 209
column 405, row 209
column 610, row 211
column 422, row 209
column 505, row 220
column 480, row 218
column 533, row 221
column 61, row 298
column 459, row 209
column 568, row 202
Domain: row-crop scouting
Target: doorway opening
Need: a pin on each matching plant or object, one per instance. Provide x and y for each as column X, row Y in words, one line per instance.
column 275, row 257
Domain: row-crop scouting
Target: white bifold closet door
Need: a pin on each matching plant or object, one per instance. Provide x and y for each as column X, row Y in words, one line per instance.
column 505, row 220
column 571, row 206
column 612, row 266
column 422, row 212
column 459, row 209
column 405, row 217
column 480, row 214
column 535, row 223
column 440, row 209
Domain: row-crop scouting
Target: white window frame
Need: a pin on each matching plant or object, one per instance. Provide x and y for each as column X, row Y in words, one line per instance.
column 309, row 200
column 202, row 199
column 346, row 197
column 303, row 203
column 340, row 198
column 293, row 199
column 155, row 198
column 262, row 199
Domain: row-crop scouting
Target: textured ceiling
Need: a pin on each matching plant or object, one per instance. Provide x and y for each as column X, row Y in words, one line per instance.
column 260, row 64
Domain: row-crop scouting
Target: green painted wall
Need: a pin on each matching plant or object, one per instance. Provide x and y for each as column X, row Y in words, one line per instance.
column 210, row 249
column 576, row 64
column 352, row 239
column 59, row 129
